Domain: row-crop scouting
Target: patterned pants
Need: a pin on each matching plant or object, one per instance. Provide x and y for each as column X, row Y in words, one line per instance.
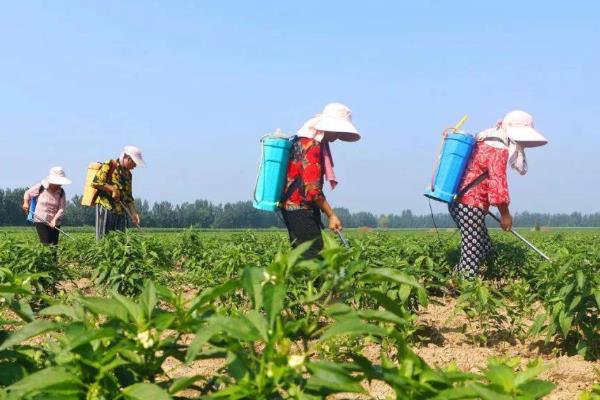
column 475, row 244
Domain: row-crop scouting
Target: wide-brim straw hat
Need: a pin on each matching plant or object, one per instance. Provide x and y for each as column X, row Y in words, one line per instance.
column 337, row 117
column 520, row 128
column 135, row 154
column 57, row 177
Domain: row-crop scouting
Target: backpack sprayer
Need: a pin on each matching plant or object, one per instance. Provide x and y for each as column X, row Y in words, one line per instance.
column 453, row 158
column 270, row 182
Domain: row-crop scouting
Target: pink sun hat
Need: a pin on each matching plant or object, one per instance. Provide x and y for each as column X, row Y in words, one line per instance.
column 337, row 117
column 519, row 127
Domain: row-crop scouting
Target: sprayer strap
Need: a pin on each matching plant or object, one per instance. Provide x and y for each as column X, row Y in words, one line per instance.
column 297, row 184
column 42, row 188
column 472, row 184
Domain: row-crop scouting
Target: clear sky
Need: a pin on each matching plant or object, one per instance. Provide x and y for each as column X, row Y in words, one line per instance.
column 195, row 84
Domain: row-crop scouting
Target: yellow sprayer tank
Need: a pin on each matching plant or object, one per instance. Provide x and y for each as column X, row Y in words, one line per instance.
column 89, row 192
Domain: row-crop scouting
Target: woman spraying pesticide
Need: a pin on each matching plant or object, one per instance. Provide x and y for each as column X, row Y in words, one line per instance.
column 485, row 184
column 45, row 203
column 311, row 163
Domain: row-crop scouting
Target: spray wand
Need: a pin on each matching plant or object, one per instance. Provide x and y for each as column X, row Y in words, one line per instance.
column 53, row 227
column 545, row 257
column 130, row 216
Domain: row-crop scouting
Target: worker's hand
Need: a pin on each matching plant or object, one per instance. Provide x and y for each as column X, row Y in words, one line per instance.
column 115, row 192
column 25, row 208
column 334, row 223
column 506, row 221
column 135, row 218
column 52, row 224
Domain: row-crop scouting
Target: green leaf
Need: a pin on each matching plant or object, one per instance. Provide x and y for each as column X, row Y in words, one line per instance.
column 14, row 290
column 134, row 310
column 259, row 322
column 203, row 335
column 537, row 325
column 273, row 301
column 251, row 282
column 10, row 373
column 90, row 336
column 45, row 379
column 580, row 279
column 296, row 254
column 210, row 294
column 596, row 293
column 108, row 307
column 352, row 327
column 180, row 384
column 488, row 393
column 329, row 377
column 238, row 328
column 501, row 375
column 148, row 298
column 30, row 330
column 145, row 391
column 60, row 309
column 536, row 389
column 564, row 322
column 22, row 309
column 533, row 369
column 385, row 302
column 395, row 276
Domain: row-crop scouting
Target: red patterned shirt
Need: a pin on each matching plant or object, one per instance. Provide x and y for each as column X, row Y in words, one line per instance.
column 305, row 168
column 494, row 189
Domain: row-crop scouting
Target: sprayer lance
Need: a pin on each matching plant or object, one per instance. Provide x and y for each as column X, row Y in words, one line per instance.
column 56, row 227
column 545, row 257
column 343, row 239
column 130, row 216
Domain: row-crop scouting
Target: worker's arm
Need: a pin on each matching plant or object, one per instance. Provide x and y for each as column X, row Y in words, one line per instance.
column 506, row 220
column 334, row 222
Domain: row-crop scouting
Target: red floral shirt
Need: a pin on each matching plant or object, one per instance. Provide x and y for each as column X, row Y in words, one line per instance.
column 494, row 189
column 305, row 166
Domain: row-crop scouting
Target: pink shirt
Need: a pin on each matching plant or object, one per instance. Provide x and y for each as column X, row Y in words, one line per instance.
column 50, row 206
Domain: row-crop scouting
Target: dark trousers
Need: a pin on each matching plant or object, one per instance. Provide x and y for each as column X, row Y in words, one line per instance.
column 47, row 235
column 304, row 226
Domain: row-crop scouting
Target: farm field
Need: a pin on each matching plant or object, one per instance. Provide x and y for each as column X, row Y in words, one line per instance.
column 236, row 315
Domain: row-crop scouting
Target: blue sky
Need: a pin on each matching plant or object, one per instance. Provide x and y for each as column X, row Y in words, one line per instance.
column 195, row 84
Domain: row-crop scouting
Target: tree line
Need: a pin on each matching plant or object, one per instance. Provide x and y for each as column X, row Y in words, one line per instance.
column 241, row 214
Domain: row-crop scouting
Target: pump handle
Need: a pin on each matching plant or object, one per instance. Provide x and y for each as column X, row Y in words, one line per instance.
column 461, row 122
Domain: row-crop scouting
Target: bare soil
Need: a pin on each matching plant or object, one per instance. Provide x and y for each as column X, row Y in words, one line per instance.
column 446, row 342
column 450, row 344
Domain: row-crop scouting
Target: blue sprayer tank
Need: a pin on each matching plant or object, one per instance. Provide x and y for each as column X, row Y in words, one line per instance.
column 272, row 172
column 454, row 158
column 31, row 213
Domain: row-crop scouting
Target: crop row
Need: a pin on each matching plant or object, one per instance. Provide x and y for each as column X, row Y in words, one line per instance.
column 280, row 326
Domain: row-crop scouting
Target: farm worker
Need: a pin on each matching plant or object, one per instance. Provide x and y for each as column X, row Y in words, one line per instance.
column 485, row 184
column 310, row 163
column 115, row 199
column 50, row 205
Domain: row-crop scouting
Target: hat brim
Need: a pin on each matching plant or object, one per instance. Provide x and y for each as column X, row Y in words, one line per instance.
column 139, row 162
column 526, row 136
column 345, row 129
column 57, row 180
